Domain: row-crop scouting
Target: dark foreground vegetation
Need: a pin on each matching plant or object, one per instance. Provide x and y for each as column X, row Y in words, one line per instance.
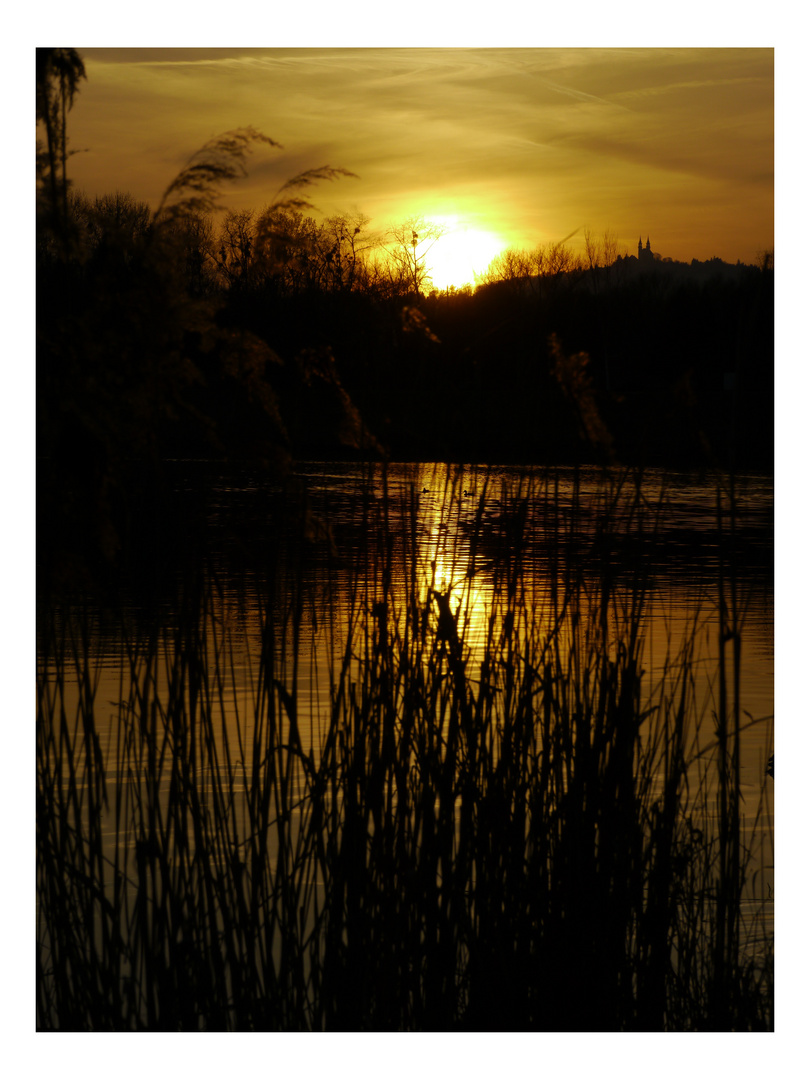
column 521, row 834
column 511, row 838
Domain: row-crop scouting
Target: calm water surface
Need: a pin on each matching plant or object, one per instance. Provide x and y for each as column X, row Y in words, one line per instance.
column 679, row 552
column 454, row 529
column 454, row 542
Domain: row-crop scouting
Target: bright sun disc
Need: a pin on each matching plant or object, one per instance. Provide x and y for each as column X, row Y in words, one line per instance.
column 460, row 254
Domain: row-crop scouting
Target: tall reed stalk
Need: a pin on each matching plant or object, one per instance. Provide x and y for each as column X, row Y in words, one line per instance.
column 495, row 820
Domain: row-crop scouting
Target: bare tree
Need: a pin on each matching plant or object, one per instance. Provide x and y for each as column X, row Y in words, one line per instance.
column 236, row 241
column 513, row 266
column 408, row 249
column 198, row 247
column 610, row 248
column 592, row 253
column 601, row 256
column 559, row 259
column 118, row 218
column 286, row 248
column 345, row 244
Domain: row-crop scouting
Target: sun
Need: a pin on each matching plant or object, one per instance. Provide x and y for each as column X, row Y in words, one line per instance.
column 460, row 253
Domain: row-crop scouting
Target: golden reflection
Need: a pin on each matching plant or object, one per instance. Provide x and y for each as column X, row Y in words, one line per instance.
column 449, row 567
column 504, row 591
column 271, row 738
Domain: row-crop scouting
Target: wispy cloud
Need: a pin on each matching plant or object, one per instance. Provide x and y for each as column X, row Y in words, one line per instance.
column 531, row 141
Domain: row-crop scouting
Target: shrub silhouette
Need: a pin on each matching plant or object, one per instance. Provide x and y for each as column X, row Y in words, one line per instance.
column 134, row 364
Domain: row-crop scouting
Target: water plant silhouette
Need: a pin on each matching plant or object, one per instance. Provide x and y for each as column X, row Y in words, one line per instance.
column 509, row 831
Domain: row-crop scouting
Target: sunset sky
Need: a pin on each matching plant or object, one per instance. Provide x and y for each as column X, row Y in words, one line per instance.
column 503, row 146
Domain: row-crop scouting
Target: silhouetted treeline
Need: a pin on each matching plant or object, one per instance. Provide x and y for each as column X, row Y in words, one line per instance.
column 195, row 340
column 680, row 357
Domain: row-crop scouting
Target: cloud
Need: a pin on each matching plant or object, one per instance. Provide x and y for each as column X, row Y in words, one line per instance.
column 531, row 141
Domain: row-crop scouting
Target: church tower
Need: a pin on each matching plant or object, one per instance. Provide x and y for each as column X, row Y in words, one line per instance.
column 640, row 249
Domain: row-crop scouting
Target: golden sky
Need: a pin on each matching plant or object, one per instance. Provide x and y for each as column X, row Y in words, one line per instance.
column 527, row 145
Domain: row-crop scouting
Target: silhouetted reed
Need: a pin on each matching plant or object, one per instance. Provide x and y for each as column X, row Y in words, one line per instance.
column 496, row 821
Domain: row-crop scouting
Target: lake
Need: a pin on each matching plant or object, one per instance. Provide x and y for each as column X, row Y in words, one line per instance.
column 460, row 596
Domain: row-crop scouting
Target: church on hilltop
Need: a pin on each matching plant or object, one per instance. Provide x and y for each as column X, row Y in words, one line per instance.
column 651, row 262
column 645, row 255
column 647, row 261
